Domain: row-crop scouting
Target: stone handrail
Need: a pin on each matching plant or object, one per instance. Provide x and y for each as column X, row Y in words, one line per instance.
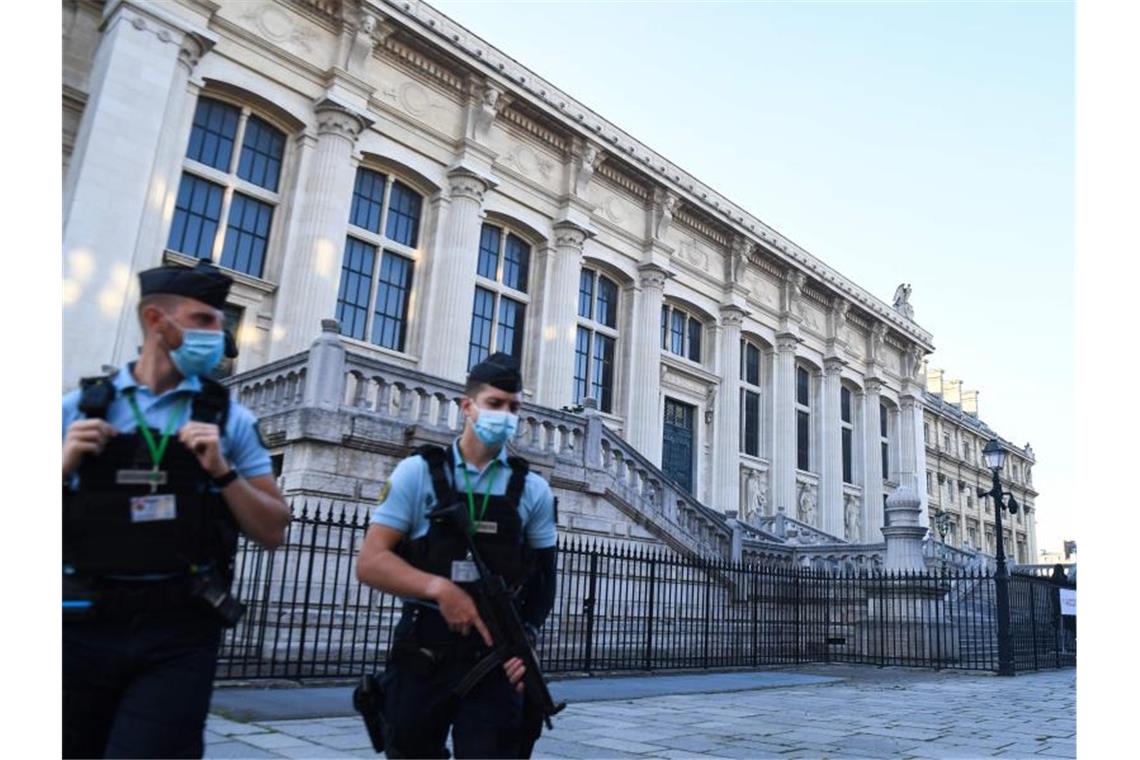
column 937, row 554
column 412, row 398
column 684, row 521
column 782, row 526
column 273, row 387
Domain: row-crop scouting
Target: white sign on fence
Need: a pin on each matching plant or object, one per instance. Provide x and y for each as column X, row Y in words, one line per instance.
column 1068, row 601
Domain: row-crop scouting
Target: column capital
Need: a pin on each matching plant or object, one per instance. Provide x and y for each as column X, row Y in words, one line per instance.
column 570, row 234
column 653, row 275
column 333, row 118
column 732, row 315
column 193, row 47
column 787, row 341
column 873, row 385
column 465, row 183
column 833, row 365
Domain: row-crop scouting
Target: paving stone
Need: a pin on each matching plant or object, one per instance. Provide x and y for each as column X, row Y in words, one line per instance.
column 235, row 750
column 875, row 744
column 557, row 748
column 226, row 727
column 346, row 741
column 315, row 751
column 273, row 740
column 636, row 748
column 694, row 743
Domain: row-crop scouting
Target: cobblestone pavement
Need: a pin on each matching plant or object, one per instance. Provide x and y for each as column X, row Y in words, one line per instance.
column 869, row 713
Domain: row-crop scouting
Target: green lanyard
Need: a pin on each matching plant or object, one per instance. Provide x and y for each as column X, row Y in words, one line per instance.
column 159, row 450
column 471, row 495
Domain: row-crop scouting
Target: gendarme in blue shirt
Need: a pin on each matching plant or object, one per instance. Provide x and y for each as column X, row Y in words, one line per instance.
column 241, row 446
column 410, row 497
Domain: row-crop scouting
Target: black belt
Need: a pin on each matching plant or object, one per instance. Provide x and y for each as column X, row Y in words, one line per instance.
column 116, row 598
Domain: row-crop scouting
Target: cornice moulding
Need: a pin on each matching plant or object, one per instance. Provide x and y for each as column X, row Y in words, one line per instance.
column 578, row 119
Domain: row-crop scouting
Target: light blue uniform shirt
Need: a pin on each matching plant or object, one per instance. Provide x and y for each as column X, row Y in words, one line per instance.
column 241, row 445
column 410, row 497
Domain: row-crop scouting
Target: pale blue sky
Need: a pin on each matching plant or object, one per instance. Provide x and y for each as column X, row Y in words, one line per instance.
column 930, row 143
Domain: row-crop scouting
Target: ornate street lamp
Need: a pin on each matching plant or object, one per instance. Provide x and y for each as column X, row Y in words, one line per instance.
column 995, row 456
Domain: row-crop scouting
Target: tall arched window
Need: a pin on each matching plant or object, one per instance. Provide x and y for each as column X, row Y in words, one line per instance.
column 379, row 254
column 803, row 419
column 597, row 336
column 232, row 171
column 499, row 313
column 847, row 434
column 681, row 333
column 750, row 398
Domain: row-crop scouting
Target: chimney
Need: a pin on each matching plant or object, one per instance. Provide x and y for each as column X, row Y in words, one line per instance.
column 970, row 403
column 934, row 381
column 952, row 392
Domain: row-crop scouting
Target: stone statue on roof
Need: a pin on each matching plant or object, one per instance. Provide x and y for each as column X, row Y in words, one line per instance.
column 902, row 300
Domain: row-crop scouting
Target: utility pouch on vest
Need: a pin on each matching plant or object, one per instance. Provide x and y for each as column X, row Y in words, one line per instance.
column 368, row 700
column 209, row 589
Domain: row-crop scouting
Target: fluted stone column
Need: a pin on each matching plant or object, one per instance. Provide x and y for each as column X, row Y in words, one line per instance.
column 872, row 463
column 831, row 472
column 646, row 425
column 784, row 453
column 311, row 273
column 906, row 526
column 912, row 451
column 726, row 447
column 453, row 275
column 129, row 140
column 560, row 330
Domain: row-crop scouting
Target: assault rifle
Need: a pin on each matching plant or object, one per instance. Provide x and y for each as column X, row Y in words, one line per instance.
column 508, row 637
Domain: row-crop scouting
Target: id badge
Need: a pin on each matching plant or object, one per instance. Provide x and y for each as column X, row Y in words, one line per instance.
column 153, row 508
column 487, row 527
column 464, row 571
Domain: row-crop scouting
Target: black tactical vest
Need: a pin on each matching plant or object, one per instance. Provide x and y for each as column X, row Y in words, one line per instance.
column 99, row 535
column 500, row 540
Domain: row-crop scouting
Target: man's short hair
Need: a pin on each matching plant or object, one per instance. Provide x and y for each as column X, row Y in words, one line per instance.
column 499, row 370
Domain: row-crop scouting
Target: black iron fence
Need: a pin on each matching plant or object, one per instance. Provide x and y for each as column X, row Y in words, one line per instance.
column 643, row 609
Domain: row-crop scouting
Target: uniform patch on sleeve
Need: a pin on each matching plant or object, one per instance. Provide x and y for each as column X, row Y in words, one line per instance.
column 384, row 489
column 259, row 434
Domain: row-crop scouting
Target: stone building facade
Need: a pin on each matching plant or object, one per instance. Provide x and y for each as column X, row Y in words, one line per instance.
column 373, row 162
column 955, row 471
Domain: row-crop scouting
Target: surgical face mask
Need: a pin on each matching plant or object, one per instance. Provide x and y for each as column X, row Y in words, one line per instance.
column 495, row 428
column 200, row 352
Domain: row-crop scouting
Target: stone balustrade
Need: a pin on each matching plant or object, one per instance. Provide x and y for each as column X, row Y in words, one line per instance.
column 340, row 396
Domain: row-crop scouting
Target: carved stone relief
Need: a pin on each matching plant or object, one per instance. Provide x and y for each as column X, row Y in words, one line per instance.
column 755, row 496
column 692, row 252
column 528, row 161
column 852, row 522
column 415, row 99
column 276, row 25
column 806, row 502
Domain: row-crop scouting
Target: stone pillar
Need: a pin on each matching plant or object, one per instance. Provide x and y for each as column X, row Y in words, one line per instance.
column 784, row 452
column 726, row 423
column 453, row 275
column 831, row 472
column 872, row 462
column 324, row 376
column 646, row 425
column 912, row 450
column 125, row 141
column 310, row 276
column 903, row 534
column 560, row 331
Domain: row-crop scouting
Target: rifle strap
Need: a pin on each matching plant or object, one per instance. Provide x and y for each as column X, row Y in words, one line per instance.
column 481, row 669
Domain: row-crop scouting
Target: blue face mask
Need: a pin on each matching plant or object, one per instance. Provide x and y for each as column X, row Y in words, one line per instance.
column 495, row 428
column 200, row 352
